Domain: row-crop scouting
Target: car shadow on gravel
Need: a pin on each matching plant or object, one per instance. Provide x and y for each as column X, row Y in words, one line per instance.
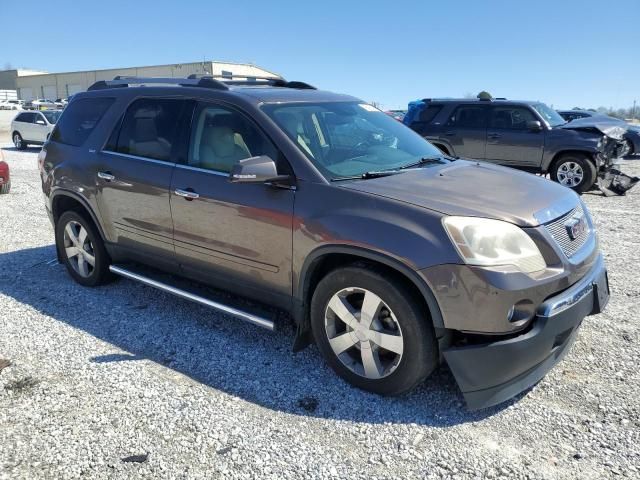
column 144, row 324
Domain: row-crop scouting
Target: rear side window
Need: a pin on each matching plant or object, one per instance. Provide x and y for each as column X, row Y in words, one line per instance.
column 428, row 114
column 469, row 116
column 26, row 117
column 79, row 119
column 150, row 128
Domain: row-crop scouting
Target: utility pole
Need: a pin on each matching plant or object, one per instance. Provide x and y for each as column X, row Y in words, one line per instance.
column 633, row 115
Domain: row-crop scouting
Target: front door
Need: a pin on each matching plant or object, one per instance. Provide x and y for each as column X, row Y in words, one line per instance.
column 510, row 141
column 466, row 131
column 133, row 175
column 41, row 128
column 229, row 233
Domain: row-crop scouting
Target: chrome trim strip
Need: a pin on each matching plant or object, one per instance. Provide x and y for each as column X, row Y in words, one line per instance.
column 203, row 170
column 575, row 293
column 249, row 317
column 135, row 157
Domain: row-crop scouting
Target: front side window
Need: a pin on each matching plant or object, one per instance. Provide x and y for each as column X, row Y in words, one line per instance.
column 552, row 117
column 52, row 116
column 150, row 128
column 511, row 118
column 79, row 119
column 345, row 139
column 221, row 137
column 468, row 116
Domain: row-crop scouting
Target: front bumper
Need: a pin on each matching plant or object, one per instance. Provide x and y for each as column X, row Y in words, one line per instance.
column 491, row 373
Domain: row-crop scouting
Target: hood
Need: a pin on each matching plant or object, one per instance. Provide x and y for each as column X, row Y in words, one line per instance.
column 611, row 127
column 476, row 189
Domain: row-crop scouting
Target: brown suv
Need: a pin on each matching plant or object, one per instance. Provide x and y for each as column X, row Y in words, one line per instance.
column 389, row 255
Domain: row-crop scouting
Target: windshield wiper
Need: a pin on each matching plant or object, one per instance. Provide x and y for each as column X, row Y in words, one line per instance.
column 422, row 161
column 370, row 174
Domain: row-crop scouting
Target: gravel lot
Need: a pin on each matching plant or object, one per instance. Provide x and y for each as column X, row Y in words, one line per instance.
column 124, row 381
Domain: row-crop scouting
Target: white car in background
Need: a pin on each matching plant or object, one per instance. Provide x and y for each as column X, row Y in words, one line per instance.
column 61, row 102
column 33, row 128
column 11, row 105
column 43, row 103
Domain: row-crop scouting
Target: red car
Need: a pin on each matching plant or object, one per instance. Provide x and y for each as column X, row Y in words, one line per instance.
column 5, row 179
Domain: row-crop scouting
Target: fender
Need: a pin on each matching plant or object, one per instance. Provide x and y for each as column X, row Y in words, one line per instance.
column 69, row 193
column 304, row 277
column 550, row 155
column 441, row 141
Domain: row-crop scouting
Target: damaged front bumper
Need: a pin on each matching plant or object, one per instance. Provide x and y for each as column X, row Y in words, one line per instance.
column 490, row 373
column 611, row 181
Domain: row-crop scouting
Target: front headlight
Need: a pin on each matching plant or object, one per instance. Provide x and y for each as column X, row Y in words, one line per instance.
column 486, row 242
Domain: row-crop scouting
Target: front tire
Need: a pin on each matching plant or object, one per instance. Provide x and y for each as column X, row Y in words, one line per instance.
column 82, row 250
column 372, row 331
column 18, row 142
column 574, row 170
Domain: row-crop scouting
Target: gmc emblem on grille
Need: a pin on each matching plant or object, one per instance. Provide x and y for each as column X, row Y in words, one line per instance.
column 576, row 226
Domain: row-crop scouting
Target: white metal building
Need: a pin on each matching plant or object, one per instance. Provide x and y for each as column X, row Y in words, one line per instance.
column 62, row 85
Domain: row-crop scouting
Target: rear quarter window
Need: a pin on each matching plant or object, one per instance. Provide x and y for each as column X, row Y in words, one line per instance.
column 79, row 119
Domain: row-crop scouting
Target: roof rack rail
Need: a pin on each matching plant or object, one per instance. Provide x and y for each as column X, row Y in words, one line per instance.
column 255, row 80
column 124, row 81
column 217, row 82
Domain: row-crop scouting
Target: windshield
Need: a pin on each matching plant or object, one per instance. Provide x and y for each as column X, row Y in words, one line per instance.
column 52, row 117
column 346, row 139
column 552, row 117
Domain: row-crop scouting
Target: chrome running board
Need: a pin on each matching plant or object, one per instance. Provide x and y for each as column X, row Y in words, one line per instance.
column 246, row 316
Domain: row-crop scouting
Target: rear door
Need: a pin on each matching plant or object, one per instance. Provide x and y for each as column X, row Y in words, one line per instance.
column 133, row 175
column 25, row 126
column 466, row 131
column 238, row 234
column 509, row 139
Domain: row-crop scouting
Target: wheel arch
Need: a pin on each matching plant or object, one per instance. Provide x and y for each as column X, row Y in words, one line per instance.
column 568, row 151
column 327, row 258
column 442, row 147
column 64, row 200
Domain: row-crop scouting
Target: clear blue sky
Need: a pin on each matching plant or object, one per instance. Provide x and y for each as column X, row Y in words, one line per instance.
column 564, row 52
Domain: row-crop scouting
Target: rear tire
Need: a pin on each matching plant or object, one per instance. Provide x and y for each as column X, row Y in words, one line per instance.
column 18, row 142
column 6, row 188
column 82, row 250
column 574, row 170
column 355, row 313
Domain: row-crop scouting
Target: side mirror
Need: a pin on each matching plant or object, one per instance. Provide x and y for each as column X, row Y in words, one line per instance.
column 534, row 125
column 261, row 169
column 40, row 122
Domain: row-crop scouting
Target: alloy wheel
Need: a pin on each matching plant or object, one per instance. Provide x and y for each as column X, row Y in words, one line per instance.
column 79, row 249
column 364, row 333
column 570, row 174
column 17, row 141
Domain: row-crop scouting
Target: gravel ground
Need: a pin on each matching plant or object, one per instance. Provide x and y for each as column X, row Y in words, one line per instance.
column 124, row 381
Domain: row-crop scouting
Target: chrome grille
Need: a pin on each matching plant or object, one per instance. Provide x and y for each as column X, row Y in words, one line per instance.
column 558, row 231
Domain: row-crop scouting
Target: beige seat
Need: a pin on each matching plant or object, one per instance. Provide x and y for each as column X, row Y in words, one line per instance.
column 219, row 149
column 295, row 130
column 146, row 142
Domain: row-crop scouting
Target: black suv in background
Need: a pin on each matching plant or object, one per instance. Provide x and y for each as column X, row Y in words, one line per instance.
column 521, row 134
column 389, row 256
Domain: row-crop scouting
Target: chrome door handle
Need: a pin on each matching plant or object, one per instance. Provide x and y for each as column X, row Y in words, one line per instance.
column 106, row 176
column 189, row 195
